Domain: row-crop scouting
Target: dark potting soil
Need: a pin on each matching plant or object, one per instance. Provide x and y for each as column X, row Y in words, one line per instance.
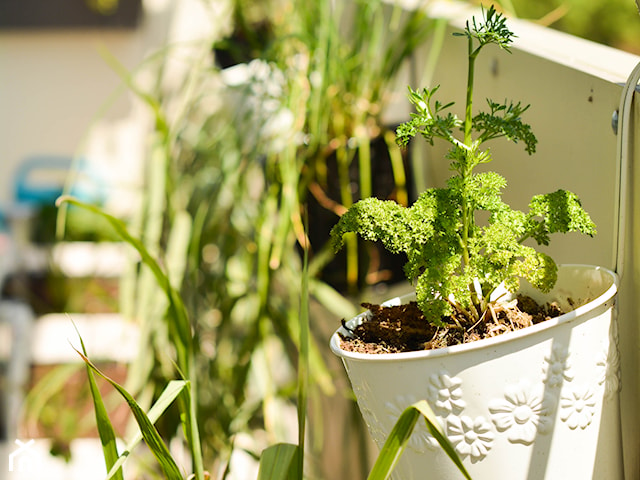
column 403, row 328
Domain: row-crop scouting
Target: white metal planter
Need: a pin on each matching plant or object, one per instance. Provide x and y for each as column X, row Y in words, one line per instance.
column 540, row 403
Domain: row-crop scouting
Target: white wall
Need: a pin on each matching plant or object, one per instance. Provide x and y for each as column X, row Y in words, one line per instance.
column 54, row 83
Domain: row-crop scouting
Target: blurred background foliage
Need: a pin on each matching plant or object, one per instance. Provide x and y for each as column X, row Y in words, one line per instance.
column 245, row 123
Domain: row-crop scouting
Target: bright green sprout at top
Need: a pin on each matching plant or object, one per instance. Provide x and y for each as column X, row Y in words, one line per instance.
column 452, row 260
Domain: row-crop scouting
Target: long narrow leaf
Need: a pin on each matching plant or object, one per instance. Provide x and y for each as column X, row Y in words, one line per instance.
column 397, row 167
column 189, row 418
column 175, row 303
column 46, row 388
column 128, row 79
column 331, row 299
column 303, row 361
column 279, row 462
column 105, row 427
column 399, row 437
column 394, row 445
column 180, row 327
column 434, row 428
column 168, row 395
column 149, row 433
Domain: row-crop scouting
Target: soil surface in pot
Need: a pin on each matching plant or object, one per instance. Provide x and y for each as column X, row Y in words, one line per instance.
column 403, row 328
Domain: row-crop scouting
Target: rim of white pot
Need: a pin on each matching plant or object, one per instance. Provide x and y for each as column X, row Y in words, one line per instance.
column 479, row 344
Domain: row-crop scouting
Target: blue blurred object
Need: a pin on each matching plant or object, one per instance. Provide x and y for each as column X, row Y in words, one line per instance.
column 27, row 187
column 39, row 180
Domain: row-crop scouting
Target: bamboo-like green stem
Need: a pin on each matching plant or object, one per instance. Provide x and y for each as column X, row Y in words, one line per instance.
column 364, row 162
column 397, row 166
column 303, row 360
column 467, row 168
column 467, row 212
column 468, row 114
column 343, row 159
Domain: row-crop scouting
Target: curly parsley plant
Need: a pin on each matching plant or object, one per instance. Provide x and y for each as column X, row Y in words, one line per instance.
column 454, row 262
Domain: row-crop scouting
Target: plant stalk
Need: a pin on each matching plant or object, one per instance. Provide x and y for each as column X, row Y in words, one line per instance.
column 465, row 170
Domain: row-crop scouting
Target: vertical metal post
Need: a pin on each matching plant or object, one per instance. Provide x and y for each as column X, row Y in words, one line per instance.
column 625, row 258
column 621, row 124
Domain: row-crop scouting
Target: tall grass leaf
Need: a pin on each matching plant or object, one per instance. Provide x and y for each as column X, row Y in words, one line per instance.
column 189, row 417
column 168, row 395
column 331, row 299
column 399, row 437
column 47, row 387
column 178, row 247
column 150, row 300
column 433, row 55
column 319, row 373
column 397, row 167
column 394, row 445
column 127, row 78
column 149, row 433
column 364, row 159
column 303, row 361
column 176, row 306
column 436, row 430
column 179, row 325
column 279, row 462
column 104, row 425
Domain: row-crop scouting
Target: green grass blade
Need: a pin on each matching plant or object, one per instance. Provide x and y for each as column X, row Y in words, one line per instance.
column 436, row 430
column 397, row 167
column 46, row 388
column 168, row 395
column 149, row 433
column 399, row 437
column 189, row 418
column 394, row 445
column 177, row 253
column 128, row 79
column 364, row 161
column 105, row 428
column 331, row 299
column 279, row 462
column 303, row 359
column 175, row 303
column 319, row 372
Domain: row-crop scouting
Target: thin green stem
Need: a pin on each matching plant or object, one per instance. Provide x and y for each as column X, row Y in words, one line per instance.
column 364, row 161
column 465, row 170
column 468, row 115
column 344, row 158
column 397, row 166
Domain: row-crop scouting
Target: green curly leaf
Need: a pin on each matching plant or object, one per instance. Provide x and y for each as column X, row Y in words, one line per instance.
column 558, row 212
column 379, row 220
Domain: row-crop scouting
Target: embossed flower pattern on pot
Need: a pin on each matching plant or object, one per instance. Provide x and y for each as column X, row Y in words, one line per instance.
column 557, row 366
column 577, row 407
column 470, row 437
column 445, row 393
column 608, row 366
column 523, row 412
column 373, row 424
column 421, row 438
column 364, row 395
